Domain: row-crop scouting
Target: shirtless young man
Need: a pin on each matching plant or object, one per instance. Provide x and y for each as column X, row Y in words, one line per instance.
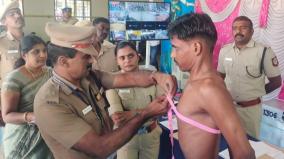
column 205, row 98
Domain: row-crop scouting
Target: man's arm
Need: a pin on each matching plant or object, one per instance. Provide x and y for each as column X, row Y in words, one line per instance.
column 274, row 83
column 110, row 142
column 218, row 103
column 139, row 78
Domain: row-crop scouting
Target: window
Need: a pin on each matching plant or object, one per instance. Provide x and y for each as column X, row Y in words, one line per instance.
column 81, row 9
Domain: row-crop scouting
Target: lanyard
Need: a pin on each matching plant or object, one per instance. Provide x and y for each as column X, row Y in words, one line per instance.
column 86, row 100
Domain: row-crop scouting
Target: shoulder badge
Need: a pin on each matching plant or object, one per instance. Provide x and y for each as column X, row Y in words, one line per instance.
column 275, row 61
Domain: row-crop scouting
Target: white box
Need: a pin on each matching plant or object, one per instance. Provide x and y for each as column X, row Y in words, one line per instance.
column 272, row 124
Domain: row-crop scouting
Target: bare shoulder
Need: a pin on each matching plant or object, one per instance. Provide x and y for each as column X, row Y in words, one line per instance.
column 213, row 90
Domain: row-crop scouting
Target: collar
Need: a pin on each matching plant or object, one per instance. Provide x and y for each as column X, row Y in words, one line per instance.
column 250, row 44
column 10, row 36
column 105, row 46
column 67, row 86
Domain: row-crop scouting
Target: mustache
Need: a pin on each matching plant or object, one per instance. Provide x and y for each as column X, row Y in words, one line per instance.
column 239, row 35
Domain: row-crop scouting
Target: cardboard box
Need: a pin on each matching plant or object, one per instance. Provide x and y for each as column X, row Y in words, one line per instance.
column 272, row 124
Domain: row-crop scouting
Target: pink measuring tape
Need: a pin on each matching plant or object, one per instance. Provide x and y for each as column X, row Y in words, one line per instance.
column 186, row 120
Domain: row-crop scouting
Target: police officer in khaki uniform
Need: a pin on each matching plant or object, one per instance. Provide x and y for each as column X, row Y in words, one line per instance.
column 67, row 16
column 70, row 108
column 124, row 102
column 244, row 65
column 11, row 17
column 106, row 60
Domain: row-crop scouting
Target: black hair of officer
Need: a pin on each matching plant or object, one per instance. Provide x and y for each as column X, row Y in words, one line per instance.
column 67, row 9
column 100, row 20
column 123, row 44
column 194, row 25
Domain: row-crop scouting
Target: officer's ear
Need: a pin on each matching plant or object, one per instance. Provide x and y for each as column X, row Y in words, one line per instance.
column 62, row 60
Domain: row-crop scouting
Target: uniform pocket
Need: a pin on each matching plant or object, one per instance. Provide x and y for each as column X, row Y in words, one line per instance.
column 252, row 71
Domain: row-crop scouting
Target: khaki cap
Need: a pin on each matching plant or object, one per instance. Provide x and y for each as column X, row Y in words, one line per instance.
column 14, row 4
column 70, row 36
column 83, row 23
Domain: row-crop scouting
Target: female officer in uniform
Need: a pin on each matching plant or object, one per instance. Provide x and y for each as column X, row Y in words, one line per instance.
column 124, row 103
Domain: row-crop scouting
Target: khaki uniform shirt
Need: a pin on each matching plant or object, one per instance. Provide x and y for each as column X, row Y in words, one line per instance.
column 63, row 117
column 131, row 98
column 106, row 60
column 242, row 68
column 9, row 53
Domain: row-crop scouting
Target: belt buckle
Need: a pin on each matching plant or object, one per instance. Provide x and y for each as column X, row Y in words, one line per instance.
column 142, row 130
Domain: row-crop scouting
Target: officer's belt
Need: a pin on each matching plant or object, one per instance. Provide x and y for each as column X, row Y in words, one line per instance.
column 249, row 103
column 147, row 129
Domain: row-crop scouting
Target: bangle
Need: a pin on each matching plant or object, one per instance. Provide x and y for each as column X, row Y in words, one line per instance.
column 26, row 117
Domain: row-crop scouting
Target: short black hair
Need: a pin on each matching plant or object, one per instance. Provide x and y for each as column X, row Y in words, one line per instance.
column 100, row 20
column 67, row 9
column 54, row 51
column 123, row 44
column 194, row 25
column 243, row 18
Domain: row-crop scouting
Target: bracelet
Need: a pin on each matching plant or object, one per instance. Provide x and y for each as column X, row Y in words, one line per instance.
column 26, row 117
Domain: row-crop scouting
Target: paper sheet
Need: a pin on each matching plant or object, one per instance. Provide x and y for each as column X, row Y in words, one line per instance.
column 166, row 123
column 261, row 149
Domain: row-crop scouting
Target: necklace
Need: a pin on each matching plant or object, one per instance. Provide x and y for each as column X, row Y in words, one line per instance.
column 35, row 75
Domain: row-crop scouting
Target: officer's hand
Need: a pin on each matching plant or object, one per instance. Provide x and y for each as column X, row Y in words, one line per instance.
column 158, row 107
column 167, row 82
column 119, row 118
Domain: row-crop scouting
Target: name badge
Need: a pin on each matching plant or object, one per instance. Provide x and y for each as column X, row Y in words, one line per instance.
column 13, row 51
column 228, row 59
column 124, row 91
column 87, row 110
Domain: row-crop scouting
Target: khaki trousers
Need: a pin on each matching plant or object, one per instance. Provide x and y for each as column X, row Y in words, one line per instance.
column 145, row 146
column 251, row 118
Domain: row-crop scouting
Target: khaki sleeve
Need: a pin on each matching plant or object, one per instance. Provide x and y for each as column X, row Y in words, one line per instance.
column 271, row 64
column 106, row 78
column 159, row 91
column 61, row 123
column 220, row 67
column 114, row 101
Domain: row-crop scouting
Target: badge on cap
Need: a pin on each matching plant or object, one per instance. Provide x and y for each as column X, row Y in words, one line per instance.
column 275, row 61
column 87, row 110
